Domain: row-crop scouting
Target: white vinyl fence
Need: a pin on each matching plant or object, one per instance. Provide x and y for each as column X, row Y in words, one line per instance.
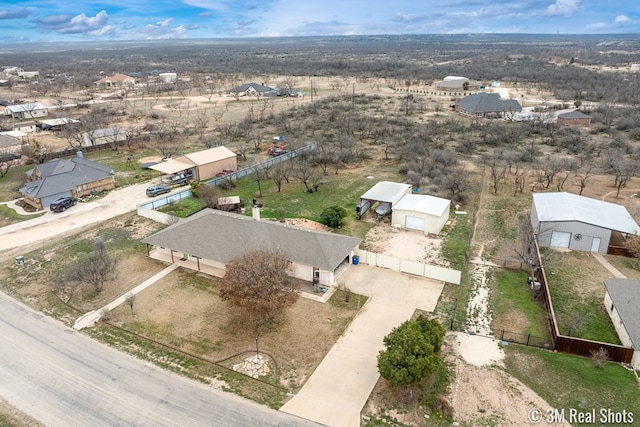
column 411, row 267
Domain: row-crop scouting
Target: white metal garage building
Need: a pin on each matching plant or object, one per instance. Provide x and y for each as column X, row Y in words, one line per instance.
column 575, row 222
column 421, row 212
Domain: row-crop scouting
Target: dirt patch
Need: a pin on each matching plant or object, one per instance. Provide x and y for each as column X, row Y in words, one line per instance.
column 306, row 223
column 384, row 239
column 14, row 417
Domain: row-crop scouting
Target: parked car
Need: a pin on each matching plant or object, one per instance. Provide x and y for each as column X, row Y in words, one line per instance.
column 156, row 190
column 277, row 151
column 62, row 204
column 178, row 179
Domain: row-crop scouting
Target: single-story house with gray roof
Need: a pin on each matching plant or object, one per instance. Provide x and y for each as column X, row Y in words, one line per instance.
column 254, row 89
column 215, row 237
column 31, row 110
column 580, row 223
column 487, row 105
column 574, row 118
column 621, row 299
column 76, row 177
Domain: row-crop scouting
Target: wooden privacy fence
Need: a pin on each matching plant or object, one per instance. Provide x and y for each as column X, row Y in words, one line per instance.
column 574, row 345
column 408, row 266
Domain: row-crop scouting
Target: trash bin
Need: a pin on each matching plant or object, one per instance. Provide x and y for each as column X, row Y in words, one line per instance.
column 355, row 259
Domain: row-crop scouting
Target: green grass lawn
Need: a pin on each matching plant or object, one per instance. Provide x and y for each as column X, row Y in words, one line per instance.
column 567, row 381
column 9, row 216
column 343, row 189
column 511, row 294
column 185, row 207
column 12, row 181
column 577, row 293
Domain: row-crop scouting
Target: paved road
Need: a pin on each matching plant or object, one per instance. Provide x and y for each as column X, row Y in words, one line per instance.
column 63, row 378
column 27, row 235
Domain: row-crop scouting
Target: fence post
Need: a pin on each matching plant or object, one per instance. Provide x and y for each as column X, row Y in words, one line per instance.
column 502, row 336
column 528, row 338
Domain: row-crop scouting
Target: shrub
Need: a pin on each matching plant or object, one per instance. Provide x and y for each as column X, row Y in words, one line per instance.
column 333, row 216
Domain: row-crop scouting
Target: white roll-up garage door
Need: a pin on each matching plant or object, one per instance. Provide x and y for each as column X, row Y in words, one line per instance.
column 560, row 239
column 414, row 223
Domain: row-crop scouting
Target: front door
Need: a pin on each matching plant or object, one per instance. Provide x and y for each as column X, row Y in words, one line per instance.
column 595, row 244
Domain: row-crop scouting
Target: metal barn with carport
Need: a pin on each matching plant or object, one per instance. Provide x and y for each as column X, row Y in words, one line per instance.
column 566, row 220
column 384, row 192
column 421, row 212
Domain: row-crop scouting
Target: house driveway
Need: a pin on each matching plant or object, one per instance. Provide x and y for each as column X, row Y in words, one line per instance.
column 338, row 389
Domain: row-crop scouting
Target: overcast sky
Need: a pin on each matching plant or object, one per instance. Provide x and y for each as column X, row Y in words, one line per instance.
column 69, row 20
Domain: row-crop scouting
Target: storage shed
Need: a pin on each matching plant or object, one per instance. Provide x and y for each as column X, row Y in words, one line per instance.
column 580, row 223
column 421, row 212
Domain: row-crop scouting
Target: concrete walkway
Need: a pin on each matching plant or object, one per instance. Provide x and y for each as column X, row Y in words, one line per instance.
column 338, row 389
column 606, row 264
column 90, row 318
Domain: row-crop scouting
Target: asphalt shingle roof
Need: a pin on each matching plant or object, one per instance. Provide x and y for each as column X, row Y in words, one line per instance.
column 488, row 102
column 222, row 236
column 574, row 115
column 63, row 175
column 625, row 295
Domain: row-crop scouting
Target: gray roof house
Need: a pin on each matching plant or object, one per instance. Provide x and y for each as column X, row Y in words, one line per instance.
column 580, row 223
column 10, row 146
column 75, row 177
column 253, row 89
column 621, row 299
column 216, row 237
column 488, row 105
column 26, row 111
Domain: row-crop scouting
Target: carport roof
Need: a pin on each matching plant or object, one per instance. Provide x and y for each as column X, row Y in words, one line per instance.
column 558, row 207
column 625, row 294
column 386, row 191
column 211, row 155
column 222, row 236
column 423, row 203
column 171, row 166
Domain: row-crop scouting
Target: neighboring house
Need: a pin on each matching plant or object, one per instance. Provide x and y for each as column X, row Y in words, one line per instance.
column 104, row 136
column 117, row 80
column 28, row 74
column 621, row 299
column 75, row 177
column 168, row 77
column 25, row 127
column 574, row 118
column 575, row 222
column 254, row 89
column 202, row 165
column 57, row 124
column 454, row 83
column 26, row 111
column 10, row 146
column 421, row 212
column 487, row 105
column 214, row 238
column 386, row 193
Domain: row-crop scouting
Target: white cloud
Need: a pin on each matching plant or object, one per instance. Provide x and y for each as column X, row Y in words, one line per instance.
column 79, row 24
column 162, row 30
column 622, row 19
column 563, row 7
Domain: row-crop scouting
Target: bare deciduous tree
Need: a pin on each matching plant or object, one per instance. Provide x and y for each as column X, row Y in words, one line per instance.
column 95, row 269
column 258, row 284
column 130, row 298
